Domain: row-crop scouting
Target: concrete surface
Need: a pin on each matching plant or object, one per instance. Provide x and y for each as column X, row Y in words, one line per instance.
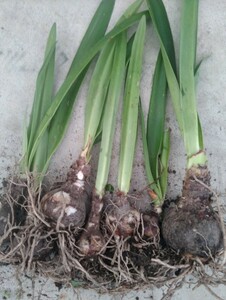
column 24, row 26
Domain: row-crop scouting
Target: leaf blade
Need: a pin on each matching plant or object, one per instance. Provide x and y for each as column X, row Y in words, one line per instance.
column 60, row 121
column 42, row 101
column 162, row 27
column 156, row 115
column 110, row 113
column 97, row 93
column 189, row 23
column 69, row 81
column 153, row 183
column 164, row 161
column 130, row 110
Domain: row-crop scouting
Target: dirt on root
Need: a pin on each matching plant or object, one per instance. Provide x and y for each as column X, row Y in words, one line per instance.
column 191, row 226
column 122, row 264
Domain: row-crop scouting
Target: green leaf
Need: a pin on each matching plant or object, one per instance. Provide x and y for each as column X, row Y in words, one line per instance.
column 189, row 23
column 40, row 158
column 60, row 121
column 96, row 30
column 132, row 9
column 153, row 183
column 164, row 161
column 98, row 135
column 156, row 152
column 200, row 135
column 193, row 141
column 130, row 109
column 129, row 49
column 94, row 33
column 110, row 113
column 156, row 141
column 68, row 84
column 201, row 141
column 97, row 94
column 38, row 103
column 156, row 116
column 162, row 27
column 42, row 101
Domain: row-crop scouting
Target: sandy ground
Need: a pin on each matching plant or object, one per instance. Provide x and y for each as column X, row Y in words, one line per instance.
column 24, row 27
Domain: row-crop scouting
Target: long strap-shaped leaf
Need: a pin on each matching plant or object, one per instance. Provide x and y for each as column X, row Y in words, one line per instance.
column 42, row 101
column 111, row 106
column 130, row 110
column 110, row 113
column 132, row 9
column 154, row 184
column 156, row 140
column 188, row 37
column 39, row 104
column 97, row 94
column 68, row 83
column 157, row 12
column 60, row 120
column 99, row 84
column 156, row 116
column 94, row 33
column 162, row 28
column 164, row 162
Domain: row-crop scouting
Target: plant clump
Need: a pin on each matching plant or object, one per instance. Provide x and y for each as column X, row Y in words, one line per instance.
column 190, row 227
column 78, row 230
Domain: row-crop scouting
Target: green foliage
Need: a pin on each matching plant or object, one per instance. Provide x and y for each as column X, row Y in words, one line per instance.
column 156, row 115
column 183, row 89
column 110, row 112
column 42, row 101
column 94, row 33
column 67, row 86
column 162, row 27
column 188, row 41
column 96, row 98
column 39, row 148
column 156, row 141
column 130, row 109
column 103, row 110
